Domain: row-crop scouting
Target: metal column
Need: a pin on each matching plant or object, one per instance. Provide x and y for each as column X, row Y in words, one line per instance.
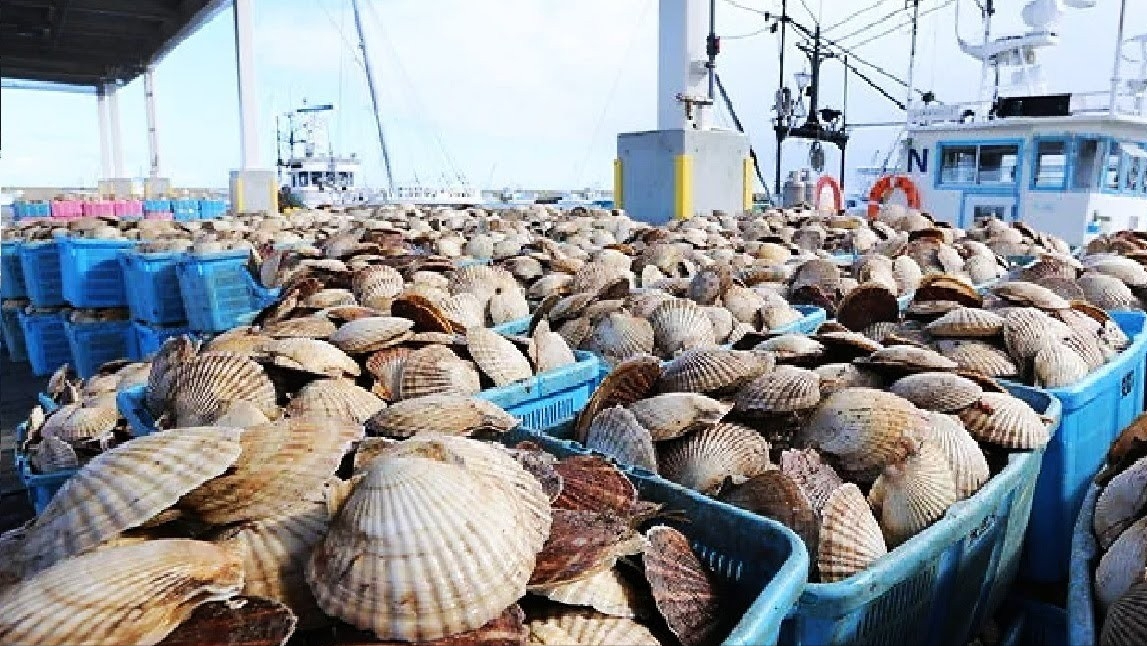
column 102, row 119
column 152, row 136
column 111, row 91
column 248, row 105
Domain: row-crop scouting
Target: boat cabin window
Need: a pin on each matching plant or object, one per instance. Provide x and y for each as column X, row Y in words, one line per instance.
column 1087, row 160
column 1050, row 164
column 998, row 164
column 979, row 164
column 1111, row 171
column 958, row 165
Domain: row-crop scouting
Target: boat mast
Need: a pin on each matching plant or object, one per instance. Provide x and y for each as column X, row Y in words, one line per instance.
column 1116, row 78
column 373, row 97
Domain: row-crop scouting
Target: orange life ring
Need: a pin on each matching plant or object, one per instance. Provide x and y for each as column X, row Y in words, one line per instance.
column 884, row 187
column 830, row 182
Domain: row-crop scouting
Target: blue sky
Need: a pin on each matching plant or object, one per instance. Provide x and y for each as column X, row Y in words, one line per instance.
column 510, row 92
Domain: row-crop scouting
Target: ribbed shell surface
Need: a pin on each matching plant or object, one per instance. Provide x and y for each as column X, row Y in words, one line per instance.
column 816, row 479
column 999, row 418
column 76, row 422
column 619, row 335
column 337, row 399
column 1122, row 566
column 979, row 357
column 280, row 463
column 912, row 357
column 1089, row 347
column 1126, row 621
column 134, row 594
column 497, row 356
column 1119, row 502
column 784, row 390
column 369, row 334
column 702, row 460
column 616, row 433
column 967, row 322
column 379, row 281
column 312, row 355
column 386, row 366
column 711, row 371
column 681, row 325
column 275, row 551
column 508, row 305
column 124, row 488
column 427, row 546
column 549, row 350
column 313, row 327
column 205, row 386
column 915, row 493
column 1057, row 365
column 937, row 391
column 850, row 537
column 607, row 592
column 51, row 455
column 1108, row 292
column 584, row 626
column 674, row 414
column 435, row 370
column 969, row 465
column 441, row 414
column 683, row 589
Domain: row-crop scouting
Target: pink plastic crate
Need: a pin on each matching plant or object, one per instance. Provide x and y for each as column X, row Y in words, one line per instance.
column 67, row 209
column 128, row 208
column 99, row 208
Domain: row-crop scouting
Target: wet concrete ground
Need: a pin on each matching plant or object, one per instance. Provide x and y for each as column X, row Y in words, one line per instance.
column 18, row 389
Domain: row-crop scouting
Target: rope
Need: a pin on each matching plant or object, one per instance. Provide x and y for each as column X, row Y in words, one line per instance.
column 855, row 14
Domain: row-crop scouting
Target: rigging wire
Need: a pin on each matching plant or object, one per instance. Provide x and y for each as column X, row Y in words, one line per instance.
column 875, row 23
column 353, row 49
column 811, row 15
column 580, row 169
column 945, row 5
column 855, row 14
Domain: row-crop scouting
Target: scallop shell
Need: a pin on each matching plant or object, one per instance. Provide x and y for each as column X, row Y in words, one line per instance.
column 1107, row 292
column 436, row 370
column 75, row 422
column 712, row 371
column 96, row 598
column 616, row 433
column 377, row 281
column 242, row 341
column 549, row 350
column 1120, row 502
column 681, row 325
column 630, row 381
column 1126, row 621
column 683, row 589
column 966, row 459
column 439, row 414
column 743, row 303
column 160, row 380
column 864, row 429
column 979, row 357
column 591, row 483
column 52, row 455
column 312, row 327
column 937, row 391
column 254, row 621
column 580, row 545
column 907, row 273
column 867, row 304
column 386, row 366
column 784, row 390
column 508, row 306
column 675, row 414
column 1030, row 295
column 914, row 493
column 967, row 322
column 280, row 463
column 1057, row 365
column 775, row 494
column 709, row 284
column 205, row 386
column 607, row 592
column 398, row 558
column 1028, row 330
column 703, row 460
column 1122, row 566
column 337, row 399
column 909, row 357
column 1089, row 347
column 838, row 376
column 124, row 488
column 314, row 356
column 497, row 356
column 583, row 626
column 788, row 347
column 275, row 551
column 850, row 537
column 465, row 310
column 999, row 418
column 369, row 334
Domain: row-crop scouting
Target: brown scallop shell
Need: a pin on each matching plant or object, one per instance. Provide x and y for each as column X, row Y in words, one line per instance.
column 1029, row 295
column 784, row 390
column 838, row 376
column 1126, row 620
column 1119, row 503
column 702, row 460
column 386, row 367
column 816, row 479
column 51, row 455
column 205, row 386
column 280, row 463
column 775, row 494
column 441, row 414
column 1122, row 565
column 850, row 537
column 999, row 418
column 311, row 327
column 591, row 483
column 616, row 433
column 364, row 335
column 937, row 391
column 124, row 488
column 910, row 358
column 131, row 594
column 252, row 621
column 683, row 589
column 619, row 336
column 435, row 370
column 867, row 304
column 580, row 545
column 946, row 287
column 914, row 493
column 377, row 281
column 76, row 422
column 967, row 322
column 607, row 592
column 313, row 356
column 979, row 357
column 712, row 371
column 630, row 381
column 427, row 317
column 679, row 325
column 338, row 399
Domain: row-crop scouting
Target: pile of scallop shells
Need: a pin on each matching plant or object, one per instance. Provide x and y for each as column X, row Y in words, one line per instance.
column 245, row 534
column 855, row 446
column 86, row 421
column 1120, row 529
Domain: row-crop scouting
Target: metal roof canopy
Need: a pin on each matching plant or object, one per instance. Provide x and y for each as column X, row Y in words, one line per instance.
column 87, row 43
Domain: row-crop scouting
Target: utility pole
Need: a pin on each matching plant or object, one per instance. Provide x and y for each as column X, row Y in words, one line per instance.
column 912, row 53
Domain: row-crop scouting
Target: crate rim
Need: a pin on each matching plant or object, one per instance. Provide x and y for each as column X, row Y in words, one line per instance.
column 1082, row 627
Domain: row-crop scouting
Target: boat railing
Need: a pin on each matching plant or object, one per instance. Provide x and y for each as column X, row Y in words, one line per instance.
column 1082, row 103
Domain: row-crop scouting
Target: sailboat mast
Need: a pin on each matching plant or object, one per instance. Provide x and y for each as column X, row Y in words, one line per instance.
column 373, row 97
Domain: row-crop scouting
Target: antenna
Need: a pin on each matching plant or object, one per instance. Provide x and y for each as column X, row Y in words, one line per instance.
column 1116, row 77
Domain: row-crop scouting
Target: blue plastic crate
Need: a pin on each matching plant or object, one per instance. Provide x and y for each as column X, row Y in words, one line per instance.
column 1082, row 628
column 46, row 342
column 130, row 402
column 760, row 564
column 145, row 340
column 904, row 301
column 185, row 209
column 40, row 264
column 553, row 397
column 942, row 585
column 41, row 488
column 811, row 318
column 94, row 344
column 91, row 271
column 1095, row 411
column 152, row 286
column 13, row 334
column 212, row 209
column 219, row 292
column 1029, row 622
column 11, row 275
column 157, row 206
column 517, row 327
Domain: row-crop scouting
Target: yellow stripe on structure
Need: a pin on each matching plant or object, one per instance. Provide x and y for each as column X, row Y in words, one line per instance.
column 273, row 209
column 747, row 184
column 618, row 186
column 240, row 203
column 683, row 187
